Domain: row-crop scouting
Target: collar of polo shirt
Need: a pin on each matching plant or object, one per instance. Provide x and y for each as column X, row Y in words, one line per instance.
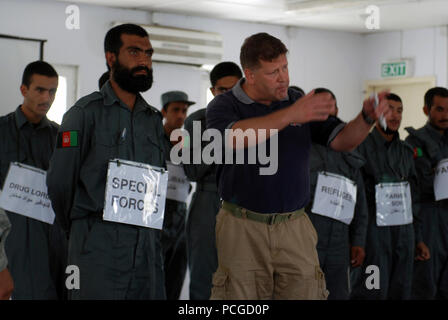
column 239, row 93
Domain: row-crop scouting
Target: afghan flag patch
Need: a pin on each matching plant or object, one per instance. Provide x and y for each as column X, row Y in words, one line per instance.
column 418, row 153
column 67, row 139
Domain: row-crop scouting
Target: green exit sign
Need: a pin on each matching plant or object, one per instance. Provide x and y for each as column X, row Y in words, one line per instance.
column 395, row 69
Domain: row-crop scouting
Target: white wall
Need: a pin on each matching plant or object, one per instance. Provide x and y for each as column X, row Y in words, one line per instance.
column 340, row 61
column 83, row 47
column 317, row 58
column 427, row 47
column 332, row 60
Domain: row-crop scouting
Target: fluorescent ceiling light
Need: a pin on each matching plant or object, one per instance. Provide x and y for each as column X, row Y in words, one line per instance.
column 310, row 6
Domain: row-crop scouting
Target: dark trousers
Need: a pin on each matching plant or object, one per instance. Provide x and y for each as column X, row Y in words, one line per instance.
column 430, row 279
column 37, row 258
column 333, row 250
column 174, row 248
column 391, row 249
column 116, row 261
column 201, row 242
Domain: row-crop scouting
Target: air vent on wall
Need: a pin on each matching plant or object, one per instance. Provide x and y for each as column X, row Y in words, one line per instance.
column 184, row 46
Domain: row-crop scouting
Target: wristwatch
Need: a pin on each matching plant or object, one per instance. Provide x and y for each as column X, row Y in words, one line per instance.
column 366, row 118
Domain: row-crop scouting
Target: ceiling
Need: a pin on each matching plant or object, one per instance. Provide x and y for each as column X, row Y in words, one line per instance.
column 344, row 15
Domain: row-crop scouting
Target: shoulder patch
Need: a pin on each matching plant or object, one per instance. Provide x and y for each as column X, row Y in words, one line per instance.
column 67, row 139
column 418, row 153
column 408, row 147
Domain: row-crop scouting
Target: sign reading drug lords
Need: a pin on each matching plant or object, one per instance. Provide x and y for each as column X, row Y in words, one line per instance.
column 25, row 193
column 135, row 194
column 335, row 197
column 441, row 180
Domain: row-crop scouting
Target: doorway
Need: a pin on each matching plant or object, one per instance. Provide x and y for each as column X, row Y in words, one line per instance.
column 411, row 91
column 66, row 95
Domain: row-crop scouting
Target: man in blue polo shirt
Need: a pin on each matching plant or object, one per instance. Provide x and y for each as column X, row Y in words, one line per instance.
column 266, row 243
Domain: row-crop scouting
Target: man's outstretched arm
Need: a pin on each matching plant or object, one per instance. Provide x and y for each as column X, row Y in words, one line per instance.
column 357, row 130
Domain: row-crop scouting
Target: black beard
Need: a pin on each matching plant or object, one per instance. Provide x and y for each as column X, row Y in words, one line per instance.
column 127, row 81
column 388, row 131
column 436, row 126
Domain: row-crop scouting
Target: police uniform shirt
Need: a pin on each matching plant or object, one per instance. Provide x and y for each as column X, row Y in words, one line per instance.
column 389, row 162
column 199, row 172
column 25, row 142
column 347, row 164
column 100, row 127
column 429, row 148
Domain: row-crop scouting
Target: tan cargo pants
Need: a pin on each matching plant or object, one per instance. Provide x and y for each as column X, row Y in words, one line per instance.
column 261, row 261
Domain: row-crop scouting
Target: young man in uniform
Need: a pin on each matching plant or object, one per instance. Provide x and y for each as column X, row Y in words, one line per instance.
column 174, row 110
column 36, row 250
column 266, row 243
column 202, row 258
column 392, row 191
column 341, row 220
column 430, row 145
column 115, row 260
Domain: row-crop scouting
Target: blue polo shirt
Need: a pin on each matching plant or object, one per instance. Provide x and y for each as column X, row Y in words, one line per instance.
column 289, row 188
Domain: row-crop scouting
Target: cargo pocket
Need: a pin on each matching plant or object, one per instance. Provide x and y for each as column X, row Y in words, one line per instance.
column 219, row 289
column 264, row 286
column 322, row 287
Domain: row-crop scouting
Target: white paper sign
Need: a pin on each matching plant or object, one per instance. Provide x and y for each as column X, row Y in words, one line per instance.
column 25, row 193
column 135, row 194
column 178, row 183
column 441, row 180
column 335, row 197
column 393, row 204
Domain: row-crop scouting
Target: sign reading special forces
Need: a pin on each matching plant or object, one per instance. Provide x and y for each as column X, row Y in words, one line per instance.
column 135, row 194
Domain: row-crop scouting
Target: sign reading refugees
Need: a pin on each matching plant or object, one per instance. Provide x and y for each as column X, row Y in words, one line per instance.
column 441, row 180
column 335, row 197
column 178, row 184
column 25, row 193
column 393, row 204
column 135, row 194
